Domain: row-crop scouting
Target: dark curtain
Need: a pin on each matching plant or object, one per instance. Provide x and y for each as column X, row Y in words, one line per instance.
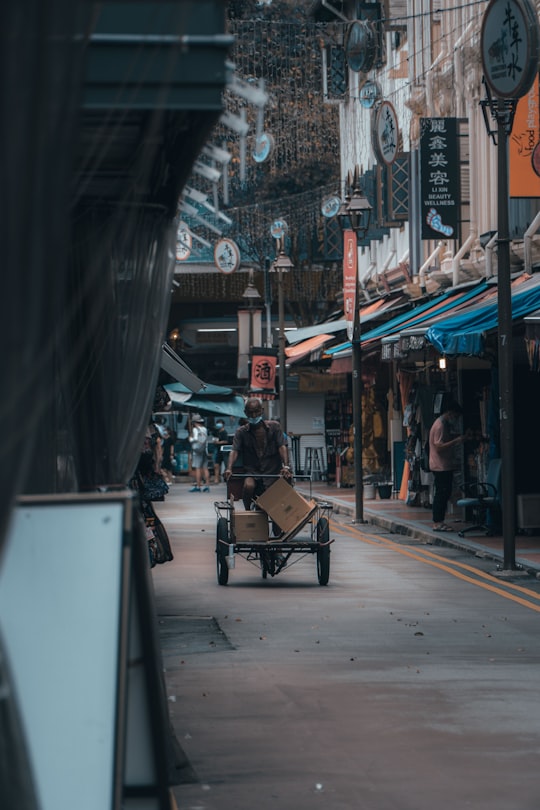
column 122, row 271
column 40, row 78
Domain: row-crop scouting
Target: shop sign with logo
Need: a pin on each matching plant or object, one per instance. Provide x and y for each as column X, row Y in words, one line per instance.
column 184, row 243
column 369, row 93
column 509, row 45
column 385, row 133
column 522, row 145
column 439, row 178
column 227, row 256
column 263, row 369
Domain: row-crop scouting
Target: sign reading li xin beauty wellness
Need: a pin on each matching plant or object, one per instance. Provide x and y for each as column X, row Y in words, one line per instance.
column 523, row 179
column 439, row 178
column 350, row 265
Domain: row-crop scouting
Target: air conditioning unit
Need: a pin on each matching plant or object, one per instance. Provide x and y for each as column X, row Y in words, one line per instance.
column 528, row 511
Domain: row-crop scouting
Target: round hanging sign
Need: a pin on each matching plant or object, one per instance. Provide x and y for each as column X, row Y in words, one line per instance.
column 330, row 207
column 509, row 45
column 360, row 46
column 264, row 146
column 385, row 133
column 279, row 229
column 370, row 92
column 227, row 256
column 184, row 243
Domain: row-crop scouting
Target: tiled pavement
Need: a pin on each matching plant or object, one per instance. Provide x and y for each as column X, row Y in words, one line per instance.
column 394, row 515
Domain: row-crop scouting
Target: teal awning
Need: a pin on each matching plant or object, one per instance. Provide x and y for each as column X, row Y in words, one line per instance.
column 212, row 399
column 415, row 316
column 465, row 333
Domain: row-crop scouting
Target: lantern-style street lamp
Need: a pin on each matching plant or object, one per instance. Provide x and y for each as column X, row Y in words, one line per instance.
column 282, row 264
column 354, row 215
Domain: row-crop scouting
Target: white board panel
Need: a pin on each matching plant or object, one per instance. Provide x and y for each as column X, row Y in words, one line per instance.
column 60, row 594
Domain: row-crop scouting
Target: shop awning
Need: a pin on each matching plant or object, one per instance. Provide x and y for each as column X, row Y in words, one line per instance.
column 175, row 366
column 299, row 350
column 367, row 313
column 212, row 399
column 443, row 304
column 465, row 333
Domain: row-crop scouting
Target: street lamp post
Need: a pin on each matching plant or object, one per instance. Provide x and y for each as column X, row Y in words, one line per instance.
column 354, row 214
column 515, row 24
column 282, row 264
column 252, row 297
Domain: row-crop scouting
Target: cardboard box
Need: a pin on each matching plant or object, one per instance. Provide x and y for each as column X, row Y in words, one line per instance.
column 285, row 506
column 249, row 526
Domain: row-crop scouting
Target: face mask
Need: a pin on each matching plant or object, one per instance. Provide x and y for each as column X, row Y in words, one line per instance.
column 219, row 425
column 254, row 420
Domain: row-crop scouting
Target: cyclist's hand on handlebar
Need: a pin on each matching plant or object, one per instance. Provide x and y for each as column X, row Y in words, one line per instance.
column 286, row 472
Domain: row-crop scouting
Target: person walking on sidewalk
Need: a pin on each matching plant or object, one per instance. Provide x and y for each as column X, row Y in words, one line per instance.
column 444, row 441
column 263, row 449
column 199, row 454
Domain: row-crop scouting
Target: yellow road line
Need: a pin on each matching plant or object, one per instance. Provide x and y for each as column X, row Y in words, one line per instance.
column 450, row 568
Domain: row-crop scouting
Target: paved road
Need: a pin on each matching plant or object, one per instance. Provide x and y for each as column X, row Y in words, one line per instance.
column 410, row 682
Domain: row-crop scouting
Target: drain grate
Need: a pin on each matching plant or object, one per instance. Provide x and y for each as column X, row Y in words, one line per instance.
column 189, row 635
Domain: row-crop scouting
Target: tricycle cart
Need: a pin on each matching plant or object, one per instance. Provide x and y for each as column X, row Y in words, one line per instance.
column 256, row 537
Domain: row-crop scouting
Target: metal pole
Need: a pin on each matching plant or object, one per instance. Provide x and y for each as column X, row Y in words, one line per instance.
column 506, row 375
column 357, row 411
column 282, row 370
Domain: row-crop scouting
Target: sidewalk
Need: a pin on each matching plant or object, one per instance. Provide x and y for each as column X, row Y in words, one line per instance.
column 395, row 516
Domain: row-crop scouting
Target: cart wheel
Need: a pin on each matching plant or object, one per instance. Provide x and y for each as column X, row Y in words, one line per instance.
column 323, row 553
column 264, row 565
column 222, row 534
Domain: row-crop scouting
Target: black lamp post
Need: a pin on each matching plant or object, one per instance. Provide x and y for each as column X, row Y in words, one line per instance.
column 354, row 214
column 252, row 297
column 282, row 264
column 515, row 23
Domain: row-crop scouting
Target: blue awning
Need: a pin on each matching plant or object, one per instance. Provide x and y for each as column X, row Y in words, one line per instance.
column 465, row 333
column 212, row 399
column 413, row 317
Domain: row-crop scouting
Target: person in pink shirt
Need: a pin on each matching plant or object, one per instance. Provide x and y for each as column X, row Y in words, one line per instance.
column 444, row 441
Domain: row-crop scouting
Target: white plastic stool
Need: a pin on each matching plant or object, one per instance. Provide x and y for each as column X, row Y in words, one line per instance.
column 314, row 463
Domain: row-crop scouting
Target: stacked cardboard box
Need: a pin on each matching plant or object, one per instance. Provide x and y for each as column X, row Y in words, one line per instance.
column 286, row 507
column 251, row 527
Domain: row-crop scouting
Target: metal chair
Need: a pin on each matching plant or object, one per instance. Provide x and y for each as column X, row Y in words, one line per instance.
column 484, row 498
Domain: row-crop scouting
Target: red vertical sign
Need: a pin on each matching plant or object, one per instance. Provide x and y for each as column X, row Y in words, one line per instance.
column 349, row 279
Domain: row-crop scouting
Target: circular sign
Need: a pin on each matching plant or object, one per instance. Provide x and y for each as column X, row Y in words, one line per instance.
column 385, row 133
column 264, row 146
column 279, row 229
column 509, row 45
column 184, row 243
column 330, row 207
column 360, row 46
column 227, row 256
column 370, row 92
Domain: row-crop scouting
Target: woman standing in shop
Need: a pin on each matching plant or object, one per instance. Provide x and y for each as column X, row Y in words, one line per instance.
column 444, row 441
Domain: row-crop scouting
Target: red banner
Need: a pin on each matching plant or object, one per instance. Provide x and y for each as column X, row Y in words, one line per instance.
column 349, row 279
column 263, row 370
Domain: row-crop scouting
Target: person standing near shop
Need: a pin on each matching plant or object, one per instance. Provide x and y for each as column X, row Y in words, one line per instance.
column 444, row 441
column 221, row 438
column 199, row 454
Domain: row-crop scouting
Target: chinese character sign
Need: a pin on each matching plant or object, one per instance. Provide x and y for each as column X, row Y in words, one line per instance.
column 509, row 46
column 349, row 279
column 439, row 178
column 263, row 370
